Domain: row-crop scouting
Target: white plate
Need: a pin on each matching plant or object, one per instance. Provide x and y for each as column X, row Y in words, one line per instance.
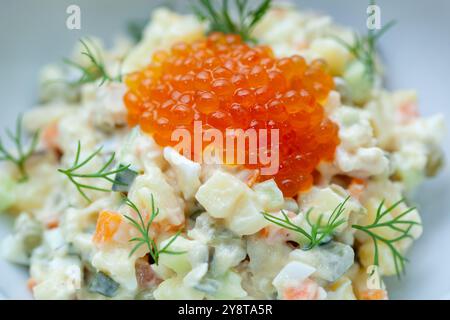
column 417, row 50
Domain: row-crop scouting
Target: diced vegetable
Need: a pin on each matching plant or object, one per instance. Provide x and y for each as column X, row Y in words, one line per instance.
column 220, row 194
column 230, row 287
column 247, row 218
column 187, row 172
column 306, row 290
column 294, row 272
column 179, row 263
column 331, row 260
column 175, row 289
column 358, row 82
column 269, row 195
column 227, row 254
column 7, row 195
column 27, row 235
column 334, row 53
column 104, row 285
column 124, row 179
column 323, row 201
column 371, row 294
column 107, row 225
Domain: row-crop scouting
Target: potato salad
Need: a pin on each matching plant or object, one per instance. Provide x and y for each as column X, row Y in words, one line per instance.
column 107, row 206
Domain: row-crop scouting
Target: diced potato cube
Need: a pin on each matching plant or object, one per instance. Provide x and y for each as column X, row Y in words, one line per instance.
column 115, row 261
column 175, row 289
column 331, row 260
column 154, row 183
column 247, row 219
column 230, row 287
column 179, row 262
column 341, row 290
column 269, row 195
column 187, row 172
column 323, row 202
column 220, row 194
column 366, row 254
column 335, row 54
column 293, row 273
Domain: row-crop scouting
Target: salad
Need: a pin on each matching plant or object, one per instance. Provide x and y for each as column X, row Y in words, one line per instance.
column 124, row 183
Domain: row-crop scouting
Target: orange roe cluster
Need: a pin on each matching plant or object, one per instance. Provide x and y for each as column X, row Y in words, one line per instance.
column 225, row 83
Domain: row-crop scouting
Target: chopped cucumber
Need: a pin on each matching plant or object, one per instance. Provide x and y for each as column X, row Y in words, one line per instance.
column 104, row 285
column 124, row 179
column 7, row 194
column 358, row 82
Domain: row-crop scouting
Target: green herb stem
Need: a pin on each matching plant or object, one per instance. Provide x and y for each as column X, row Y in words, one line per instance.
column 104, row 173
column 221, row 20
column 144, row 230
column 22, row 153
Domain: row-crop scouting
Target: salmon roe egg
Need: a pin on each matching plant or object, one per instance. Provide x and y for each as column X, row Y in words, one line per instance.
column 226, row 83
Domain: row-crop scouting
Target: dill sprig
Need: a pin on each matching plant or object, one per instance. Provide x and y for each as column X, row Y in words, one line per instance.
column 319, row 233
column 144, row 230
column 104, row 173
column 22, row 153
column 364, row 49
column 398, row 224
column 221, row 20
column 95, row 71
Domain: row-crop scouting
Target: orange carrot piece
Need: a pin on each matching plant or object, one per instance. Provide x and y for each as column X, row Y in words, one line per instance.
column 107, row 225
column 307, row 290
column 50, row 136
column 31, row 283
column 356, row 188
column 52, row 224
column 374, row 294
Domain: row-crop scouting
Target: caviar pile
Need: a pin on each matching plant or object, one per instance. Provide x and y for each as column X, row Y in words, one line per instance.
column 225, row 83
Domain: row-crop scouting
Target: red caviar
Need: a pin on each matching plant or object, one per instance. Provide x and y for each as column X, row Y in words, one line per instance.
column 225, row 83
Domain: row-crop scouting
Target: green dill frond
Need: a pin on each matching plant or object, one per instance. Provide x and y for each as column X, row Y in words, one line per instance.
column 104, row 173
column 318, row 233
column 221, row 19
column 96, row 69
column 397, row 224
column 144, row 230
column 364, row 49
column 22, row 153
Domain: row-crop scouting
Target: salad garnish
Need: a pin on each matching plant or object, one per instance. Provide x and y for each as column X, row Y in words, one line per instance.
column 364, row 48
column 22, row 154
column 398, row 224
column 144, row 230
column 104, row 172
column 221, row 19
column 319, row 234
column 96, row 70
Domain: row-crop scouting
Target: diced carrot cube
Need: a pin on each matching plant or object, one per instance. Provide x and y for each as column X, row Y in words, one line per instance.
column 107, row 225
column 374, row 294
column 356, row 188
column 307, row 290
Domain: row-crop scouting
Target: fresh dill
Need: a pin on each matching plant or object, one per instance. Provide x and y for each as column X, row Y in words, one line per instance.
column 221, row 20
column 95, row 71
column 22, row 154
column 397, row 224
column 104, row 173
column 364, row 48
column 319, row 233
column 144, row 230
